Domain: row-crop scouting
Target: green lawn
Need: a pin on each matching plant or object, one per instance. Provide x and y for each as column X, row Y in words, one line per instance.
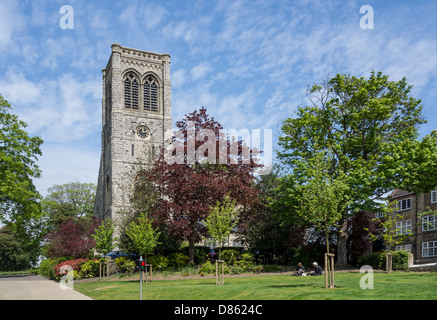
column 14, row 273
column 396, row 286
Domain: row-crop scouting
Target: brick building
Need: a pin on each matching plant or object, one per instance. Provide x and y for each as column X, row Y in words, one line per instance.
column 418, row 222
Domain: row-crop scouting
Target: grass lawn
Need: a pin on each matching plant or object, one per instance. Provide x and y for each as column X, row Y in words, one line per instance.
column 14, row 273
column 394, row 286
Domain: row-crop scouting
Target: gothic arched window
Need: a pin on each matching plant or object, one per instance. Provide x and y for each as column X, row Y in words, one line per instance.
column 150, row 94
column 131, row 91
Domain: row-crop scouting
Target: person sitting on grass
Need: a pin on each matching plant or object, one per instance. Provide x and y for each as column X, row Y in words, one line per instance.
column 317, row 270
column 300, row 270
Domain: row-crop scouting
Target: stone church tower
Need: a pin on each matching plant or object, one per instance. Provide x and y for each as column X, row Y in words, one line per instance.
column 136, row 112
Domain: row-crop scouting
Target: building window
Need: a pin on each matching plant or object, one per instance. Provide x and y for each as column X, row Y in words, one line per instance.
column 404, row 204
column 131, row 91
column 434, row 196
column 379, row 214
column 429, row 223
column 404, row 247
column 429, row 249
column 403, row 227
column 150, row 94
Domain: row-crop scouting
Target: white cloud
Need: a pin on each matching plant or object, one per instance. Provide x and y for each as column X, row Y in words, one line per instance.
column 63, row 163
column 178, row 78
column 153, row 16
column 17, row 89
column 62, row 109
column 11, row 21
column 135, row 16
column 200, row 71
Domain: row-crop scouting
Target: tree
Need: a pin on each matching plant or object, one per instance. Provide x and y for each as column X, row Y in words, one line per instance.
column 143, row 236
column 275, row 239
column 370, row 126
column 323, row 194
column 13, row 257
column 19, row 199
column 73, row 239
column 359, row 241
column 222, row 219
column 70, row 200
column 389, row 231
column 205, row 173
column 103, row 237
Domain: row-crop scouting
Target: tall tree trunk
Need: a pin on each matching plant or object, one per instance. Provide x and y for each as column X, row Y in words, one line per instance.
column 191, row 250
column 342, row 244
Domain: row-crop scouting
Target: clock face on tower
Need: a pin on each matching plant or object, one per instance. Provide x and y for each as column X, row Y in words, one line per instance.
column 143, row 131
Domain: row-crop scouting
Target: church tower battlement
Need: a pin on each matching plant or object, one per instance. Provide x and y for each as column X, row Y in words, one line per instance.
column 136, row 113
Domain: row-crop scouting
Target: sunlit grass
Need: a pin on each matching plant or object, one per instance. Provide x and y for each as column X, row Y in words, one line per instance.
column 397, row 285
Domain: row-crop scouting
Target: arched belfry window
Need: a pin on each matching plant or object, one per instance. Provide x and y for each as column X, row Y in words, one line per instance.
column 150, row 94
column 140, row 180
column 131, row 86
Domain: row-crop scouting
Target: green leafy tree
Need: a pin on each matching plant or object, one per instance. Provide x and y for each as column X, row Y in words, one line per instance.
column 222, row 219
column 19, row 199
column 323, row 195
column 389, row 232
column 143, row 236
column 103, row 235
column 13, row 257
column 370, row 126
column 70, row 200
column 268, row 232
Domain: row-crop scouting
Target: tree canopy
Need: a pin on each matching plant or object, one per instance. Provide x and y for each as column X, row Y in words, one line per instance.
column 370, row 126
column 19, row 199
column 70, row 200
column 190, row 187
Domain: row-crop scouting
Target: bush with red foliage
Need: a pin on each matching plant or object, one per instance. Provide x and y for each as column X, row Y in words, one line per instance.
column 74, row 264
column 72, row 239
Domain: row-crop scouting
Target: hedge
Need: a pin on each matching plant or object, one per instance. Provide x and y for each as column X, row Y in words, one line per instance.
column 377, row 260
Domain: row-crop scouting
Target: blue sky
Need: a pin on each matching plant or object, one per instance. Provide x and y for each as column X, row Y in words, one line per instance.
column 248, row 62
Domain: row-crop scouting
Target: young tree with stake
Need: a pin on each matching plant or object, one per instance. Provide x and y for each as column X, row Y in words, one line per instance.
column 143, row 236
column 221, row 221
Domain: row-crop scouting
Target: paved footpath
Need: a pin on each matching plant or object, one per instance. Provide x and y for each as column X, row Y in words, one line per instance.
column 31, row 287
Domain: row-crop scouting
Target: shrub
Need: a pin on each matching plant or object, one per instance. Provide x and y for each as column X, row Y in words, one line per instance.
column 207, row 268
column 200, row 255
column 189, row 270
column 400, row 260
column 89, row 269
column 257, row 269
column 74, row 264
column 373, row 259
column 235, row 269
column 125, row 265
column 158, row 262
column 377, row 260
column 178, row 259
column 246, row 262
column 230, row 256
column 243, row 262
column 46, row 268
